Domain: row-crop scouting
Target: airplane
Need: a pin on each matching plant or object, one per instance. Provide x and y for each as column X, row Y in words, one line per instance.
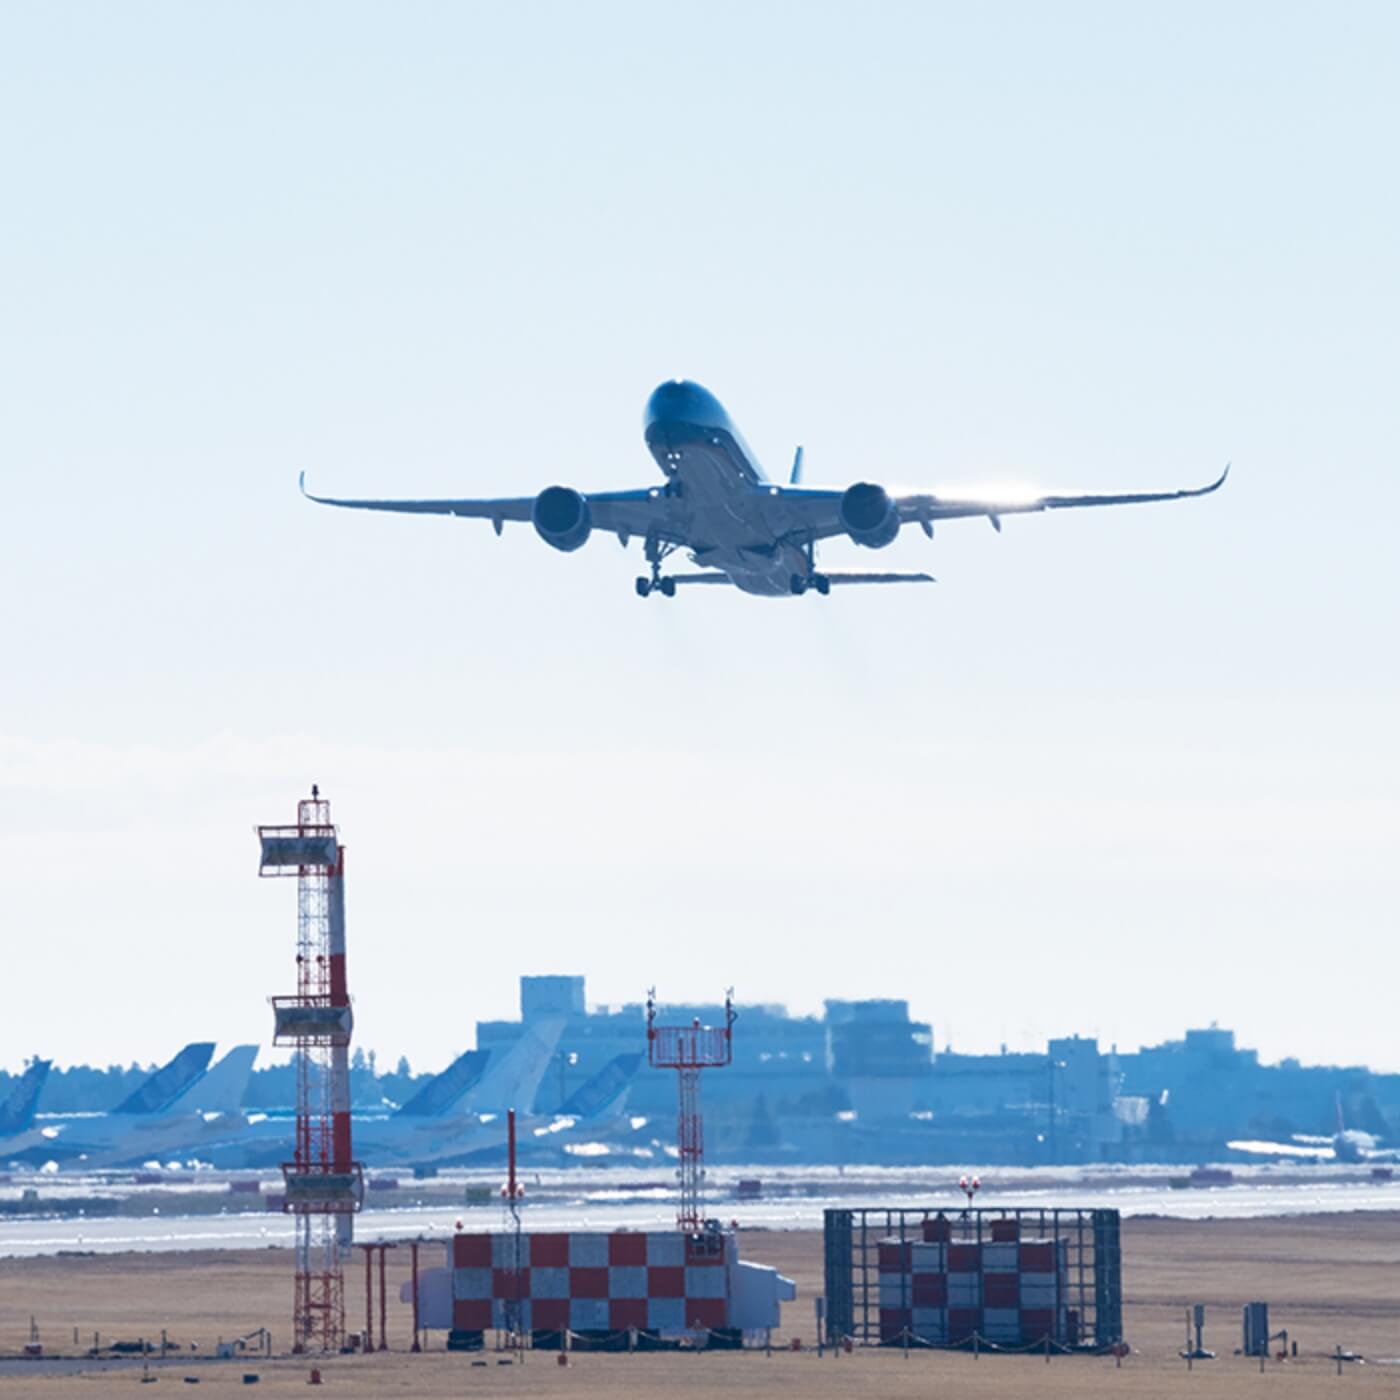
column 460, row 1109
column 736, row 525
column 1347, row 1145
column 37, row 1140
column 175, row 1127
column 17, row 1112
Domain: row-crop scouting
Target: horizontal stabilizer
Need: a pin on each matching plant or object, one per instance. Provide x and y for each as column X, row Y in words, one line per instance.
column 840, row 578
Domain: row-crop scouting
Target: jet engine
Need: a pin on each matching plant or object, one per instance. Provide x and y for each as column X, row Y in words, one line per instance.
column 562, row 518
column 868, row 515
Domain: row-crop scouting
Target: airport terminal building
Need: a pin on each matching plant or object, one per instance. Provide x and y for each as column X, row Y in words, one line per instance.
column 863, row 1083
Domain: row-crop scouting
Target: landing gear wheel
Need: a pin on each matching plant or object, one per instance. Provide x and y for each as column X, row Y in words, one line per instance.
column 822, row 584
column 798, row 585
column 668, row 587
column 643, row 587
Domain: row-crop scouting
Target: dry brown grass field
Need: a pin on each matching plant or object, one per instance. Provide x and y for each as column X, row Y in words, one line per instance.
column 1329, row 1280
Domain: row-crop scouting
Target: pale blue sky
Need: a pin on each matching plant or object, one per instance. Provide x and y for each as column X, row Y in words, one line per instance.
column 1118, row 772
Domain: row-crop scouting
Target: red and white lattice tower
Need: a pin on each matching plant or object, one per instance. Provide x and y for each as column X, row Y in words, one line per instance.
column 688, row 1050
column 324, row 1184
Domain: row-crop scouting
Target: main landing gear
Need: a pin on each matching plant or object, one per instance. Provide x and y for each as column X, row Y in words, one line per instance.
column 656, row 552
column 800, row 583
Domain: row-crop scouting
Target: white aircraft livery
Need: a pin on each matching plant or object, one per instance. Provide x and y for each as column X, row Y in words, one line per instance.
column 735, row 524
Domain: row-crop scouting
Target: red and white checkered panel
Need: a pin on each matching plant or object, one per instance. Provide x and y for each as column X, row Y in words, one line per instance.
column 895, row 1256
column 928, row 1258
column 588, row 1251
column 472, row 1284
column 591, row 1283
column 1001, row 1257
column 1007, row 1290
column 930, row 1324
column 1002, row 1325
column 665, row 1251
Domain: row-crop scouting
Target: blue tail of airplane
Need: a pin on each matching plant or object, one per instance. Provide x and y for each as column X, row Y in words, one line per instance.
column 607, row 1089
column 445, row 1090
column 169, row 1081
column 221, row 1088
column 17, row 1111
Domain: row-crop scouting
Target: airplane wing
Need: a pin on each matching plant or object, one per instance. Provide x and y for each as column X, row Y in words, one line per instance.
column 818, row 510
column 644, row 511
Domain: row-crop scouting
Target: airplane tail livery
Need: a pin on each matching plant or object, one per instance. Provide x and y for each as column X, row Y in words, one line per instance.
column 513, row 1080
column 221, row 1088
column 441, row 1093
column 606, row 1091
column 17, row 1111
column 171, row 1080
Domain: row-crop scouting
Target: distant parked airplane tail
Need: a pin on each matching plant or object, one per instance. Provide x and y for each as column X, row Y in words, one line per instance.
column 17, row 1111
column 221, row 1089
column 605, row 1091
column 513, row 1080
column 443, row 1091
column 163, row 1087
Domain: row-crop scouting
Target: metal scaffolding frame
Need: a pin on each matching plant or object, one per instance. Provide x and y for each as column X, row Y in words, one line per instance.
column 688, row 1050
column 851, row 1249
column 324, row 1186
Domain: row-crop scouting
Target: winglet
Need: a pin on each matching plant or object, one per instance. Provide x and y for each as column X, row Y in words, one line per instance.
column 796, row 476
column 301, row 482
column 1209, row 486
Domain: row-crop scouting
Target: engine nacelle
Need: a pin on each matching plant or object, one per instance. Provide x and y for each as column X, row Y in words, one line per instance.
column 868, row 515
column 562, row 518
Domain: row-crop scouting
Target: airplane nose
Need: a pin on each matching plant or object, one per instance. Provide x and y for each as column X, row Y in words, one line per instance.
column 683, row 402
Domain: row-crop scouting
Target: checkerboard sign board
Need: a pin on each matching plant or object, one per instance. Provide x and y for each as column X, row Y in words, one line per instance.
column 663, row 1283
column 1008, row 1292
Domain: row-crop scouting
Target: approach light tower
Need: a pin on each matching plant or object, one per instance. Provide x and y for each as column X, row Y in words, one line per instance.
column 688, row 1050
column 324, row 1184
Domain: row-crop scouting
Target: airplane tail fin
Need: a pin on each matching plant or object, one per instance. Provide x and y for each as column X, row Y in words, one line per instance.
column 221, row 1089
column 607, row 1090
column 162, row 1088
column 17, row 1111
column 513, row 1080
column 444, row 1090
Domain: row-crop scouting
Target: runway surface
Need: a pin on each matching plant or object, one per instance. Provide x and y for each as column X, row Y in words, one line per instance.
column 596, row 1202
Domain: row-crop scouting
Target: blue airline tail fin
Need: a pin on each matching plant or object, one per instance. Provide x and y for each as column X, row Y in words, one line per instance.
column 169, row 1081
column 444, row 1090
column 221, row 1088
column 608, row 1089
column 17, row 1111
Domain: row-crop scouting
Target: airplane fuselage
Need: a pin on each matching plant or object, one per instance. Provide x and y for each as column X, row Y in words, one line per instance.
column 722, row 492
